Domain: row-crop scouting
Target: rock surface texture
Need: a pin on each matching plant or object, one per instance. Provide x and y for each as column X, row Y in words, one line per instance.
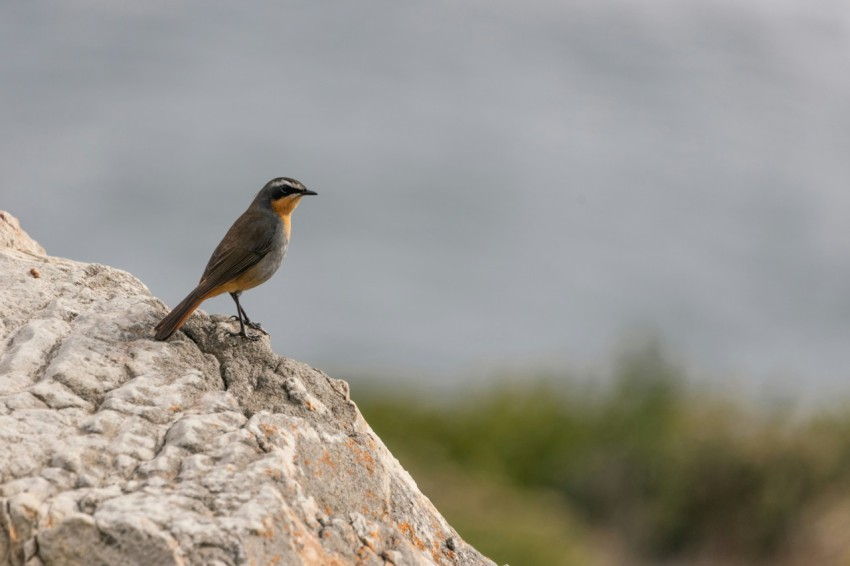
column 119, row 450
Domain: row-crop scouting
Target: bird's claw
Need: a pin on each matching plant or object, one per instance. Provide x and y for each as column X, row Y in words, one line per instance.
column 246, row 336
column 257, row 326
column 254, row 325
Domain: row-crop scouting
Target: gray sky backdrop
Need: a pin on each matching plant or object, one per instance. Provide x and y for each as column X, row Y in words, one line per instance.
column 501, row 183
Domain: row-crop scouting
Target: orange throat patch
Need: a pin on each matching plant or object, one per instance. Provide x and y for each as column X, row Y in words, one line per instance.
column 283, row 207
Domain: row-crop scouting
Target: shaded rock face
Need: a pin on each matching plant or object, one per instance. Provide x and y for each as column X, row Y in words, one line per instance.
column 116, row 449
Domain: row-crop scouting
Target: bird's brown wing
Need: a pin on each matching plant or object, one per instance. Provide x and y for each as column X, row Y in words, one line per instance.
column 249, row 239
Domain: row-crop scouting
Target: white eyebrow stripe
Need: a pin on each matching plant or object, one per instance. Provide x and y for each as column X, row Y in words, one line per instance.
column 277, row 183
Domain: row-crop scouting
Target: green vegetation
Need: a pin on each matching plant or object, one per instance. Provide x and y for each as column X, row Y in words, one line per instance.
column 645, row 470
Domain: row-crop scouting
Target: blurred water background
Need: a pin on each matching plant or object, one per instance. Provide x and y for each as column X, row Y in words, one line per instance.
column 506, row 191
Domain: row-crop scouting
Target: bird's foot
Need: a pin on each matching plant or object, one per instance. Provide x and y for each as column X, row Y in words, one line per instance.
column 256, row 326
column 246, row 336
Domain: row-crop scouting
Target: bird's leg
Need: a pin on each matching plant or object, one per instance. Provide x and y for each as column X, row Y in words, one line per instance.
column 243, row 320
column 254, row 325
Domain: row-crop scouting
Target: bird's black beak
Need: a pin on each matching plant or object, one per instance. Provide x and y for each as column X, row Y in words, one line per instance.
column 308, row 192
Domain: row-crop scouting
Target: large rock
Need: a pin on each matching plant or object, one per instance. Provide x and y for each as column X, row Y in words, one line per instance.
column 116, row 449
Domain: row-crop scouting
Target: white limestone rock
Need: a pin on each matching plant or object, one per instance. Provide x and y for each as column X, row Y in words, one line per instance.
column 117, row 449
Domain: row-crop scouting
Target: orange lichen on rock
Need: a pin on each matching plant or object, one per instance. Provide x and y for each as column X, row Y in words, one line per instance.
column 363, row 456
column 408, row 531
column 268, row 429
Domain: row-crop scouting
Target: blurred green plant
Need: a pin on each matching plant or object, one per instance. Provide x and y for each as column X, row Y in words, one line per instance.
column 669, row 473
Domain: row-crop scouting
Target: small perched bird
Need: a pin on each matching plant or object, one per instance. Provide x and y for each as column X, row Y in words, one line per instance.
column 247, row 256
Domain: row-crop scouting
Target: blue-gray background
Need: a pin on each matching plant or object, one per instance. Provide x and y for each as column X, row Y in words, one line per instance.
column 503, row 185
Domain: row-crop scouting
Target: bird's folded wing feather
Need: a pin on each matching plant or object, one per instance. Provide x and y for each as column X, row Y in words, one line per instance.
column 233, row 257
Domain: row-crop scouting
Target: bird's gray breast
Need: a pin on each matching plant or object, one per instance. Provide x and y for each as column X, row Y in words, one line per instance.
column 270, row 262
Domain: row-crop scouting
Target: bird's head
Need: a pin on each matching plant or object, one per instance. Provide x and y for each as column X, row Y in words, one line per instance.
column 283, row 194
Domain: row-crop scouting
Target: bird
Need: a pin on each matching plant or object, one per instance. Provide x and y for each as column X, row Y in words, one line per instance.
column 248, row 255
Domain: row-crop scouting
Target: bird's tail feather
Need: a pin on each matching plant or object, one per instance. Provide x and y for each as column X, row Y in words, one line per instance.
column 175, row 319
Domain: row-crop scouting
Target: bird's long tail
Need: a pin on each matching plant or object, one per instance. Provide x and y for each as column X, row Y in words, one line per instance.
column 175, row 319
